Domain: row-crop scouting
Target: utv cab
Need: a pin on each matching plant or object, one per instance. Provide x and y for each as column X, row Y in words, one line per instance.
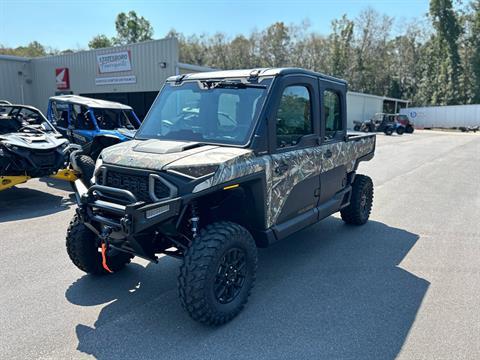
column 92, row 123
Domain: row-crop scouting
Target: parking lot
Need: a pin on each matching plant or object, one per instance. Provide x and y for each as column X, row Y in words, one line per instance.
column 406, row 285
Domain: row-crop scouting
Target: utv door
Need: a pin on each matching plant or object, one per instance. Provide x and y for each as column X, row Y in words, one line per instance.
column 293, row 144
column 333, row 174
column 58, row 114
column 82, row 125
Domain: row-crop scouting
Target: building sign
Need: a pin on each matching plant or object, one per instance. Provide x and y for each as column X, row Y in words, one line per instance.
column 116, row 80
column 62, row 78
column 114, row 62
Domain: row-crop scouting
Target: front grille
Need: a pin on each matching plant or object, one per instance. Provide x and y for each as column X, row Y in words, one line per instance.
column 137, row 184
column 44, row 160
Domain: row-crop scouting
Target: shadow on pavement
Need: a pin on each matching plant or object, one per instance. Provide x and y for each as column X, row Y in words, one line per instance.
column 331, row 291
column 20, row 203
column 57, row 184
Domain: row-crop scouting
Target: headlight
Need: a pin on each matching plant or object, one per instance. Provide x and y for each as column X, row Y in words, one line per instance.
column 195, row 172
column 98, row 163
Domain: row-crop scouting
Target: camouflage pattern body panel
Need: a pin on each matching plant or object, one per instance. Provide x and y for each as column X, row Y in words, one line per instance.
column 235, row 163
column 303, row 164
column 130, row 154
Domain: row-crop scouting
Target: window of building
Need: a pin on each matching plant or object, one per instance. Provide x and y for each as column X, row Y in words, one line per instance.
column 294, row 116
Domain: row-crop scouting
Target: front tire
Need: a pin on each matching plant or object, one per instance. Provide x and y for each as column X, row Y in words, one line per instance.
column 358, row 212
column 410, row 129
column 83, row 250
column 87, row 168
column 400, row 130
column 388, row 131
column 218, row 273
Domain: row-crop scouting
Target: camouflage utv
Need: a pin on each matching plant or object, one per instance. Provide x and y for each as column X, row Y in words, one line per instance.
column 224, row 162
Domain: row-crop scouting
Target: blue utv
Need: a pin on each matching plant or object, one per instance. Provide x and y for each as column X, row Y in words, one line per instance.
column 93, row 124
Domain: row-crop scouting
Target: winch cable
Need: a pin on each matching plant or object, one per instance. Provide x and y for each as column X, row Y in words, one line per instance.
column 104, row 258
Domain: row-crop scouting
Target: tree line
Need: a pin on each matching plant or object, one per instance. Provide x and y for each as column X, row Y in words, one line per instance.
column 434, row 61
column 431, row 61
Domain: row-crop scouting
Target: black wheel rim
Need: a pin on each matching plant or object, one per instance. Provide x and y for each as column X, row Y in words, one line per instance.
column 364, row 205
column 230, row 275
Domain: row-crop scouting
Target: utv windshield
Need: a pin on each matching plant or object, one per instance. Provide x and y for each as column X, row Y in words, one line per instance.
column 16, row 118
column 210, row 111
column 111, row 119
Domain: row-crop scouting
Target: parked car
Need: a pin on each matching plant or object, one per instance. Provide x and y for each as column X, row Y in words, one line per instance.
column 224, row 162
column 93, row 124
column 30, row 147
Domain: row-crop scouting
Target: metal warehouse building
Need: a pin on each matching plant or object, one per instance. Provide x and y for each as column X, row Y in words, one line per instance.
column 131, row 74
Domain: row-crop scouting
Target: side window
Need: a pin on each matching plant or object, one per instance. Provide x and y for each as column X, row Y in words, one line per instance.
column 80, row 117
column 60, row 114
column 333, row 116
column 294, row 116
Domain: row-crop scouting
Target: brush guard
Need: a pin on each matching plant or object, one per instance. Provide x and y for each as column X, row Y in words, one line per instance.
column 119, row 223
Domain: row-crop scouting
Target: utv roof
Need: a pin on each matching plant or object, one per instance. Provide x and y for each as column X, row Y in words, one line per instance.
column 249, row 73
column 91, row 103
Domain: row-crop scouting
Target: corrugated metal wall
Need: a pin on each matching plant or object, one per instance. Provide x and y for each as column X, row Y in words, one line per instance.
column 145, row 60
column 15, row 79
column 444, row 116
column 361, row 107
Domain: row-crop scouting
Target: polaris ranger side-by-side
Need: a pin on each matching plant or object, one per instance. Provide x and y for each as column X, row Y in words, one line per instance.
column 224, row 162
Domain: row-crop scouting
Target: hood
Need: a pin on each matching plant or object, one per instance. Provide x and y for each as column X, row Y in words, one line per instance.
column 33, row 140
column 162, row 155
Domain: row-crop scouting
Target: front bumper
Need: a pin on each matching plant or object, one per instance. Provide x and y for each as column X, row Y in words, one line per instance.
column 126, row 216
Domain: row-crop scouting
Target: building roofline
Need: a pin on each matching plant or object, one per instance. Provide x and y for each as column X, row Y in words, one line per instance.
column 379, row 97
column 14, row 58
column 117, row 47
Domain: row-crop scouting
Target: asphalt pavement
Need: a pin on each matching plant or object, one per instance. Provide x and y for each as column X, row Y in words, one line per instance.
column 406, row 285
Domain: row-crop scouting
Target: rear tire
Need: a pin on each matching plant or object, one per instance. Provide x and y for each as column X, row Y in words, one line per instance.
column 218, row 273
column 400, row 130
column 356, row 128
column 388, row 131
column 358, row 212
column 409, row 129
column 83, row 250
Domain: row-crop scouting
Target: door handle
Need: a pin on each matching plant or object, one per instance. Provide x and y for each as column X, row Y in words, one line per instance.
column 280, row 169
column 328, row 154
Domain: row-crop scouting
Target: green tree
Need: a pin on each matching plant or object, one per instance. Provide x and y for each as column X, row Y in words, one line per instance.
column 447, row 60
column 341, row 46
column 132, row 28
column 33, row 49
column 100, row 41
column 474, row 43
column 275, row 45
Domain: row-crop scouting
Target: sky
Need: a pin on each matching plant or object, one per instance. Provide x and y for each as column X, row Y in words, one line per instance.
column 70, row 24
